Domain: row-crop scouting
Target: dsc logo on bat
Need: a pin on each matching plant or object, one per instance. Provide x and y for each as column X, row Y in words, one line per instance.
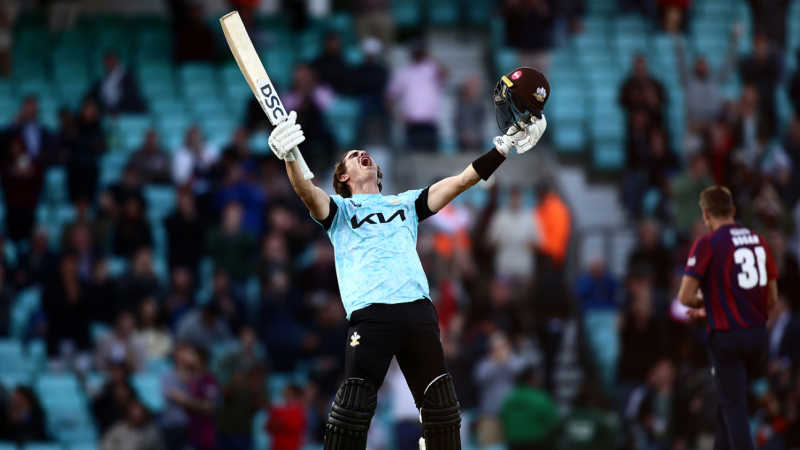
column 270, row 100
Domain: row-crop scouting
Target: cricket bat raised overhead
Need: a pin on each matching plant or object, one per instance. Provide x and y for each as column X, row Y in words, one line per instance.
column 256, row 76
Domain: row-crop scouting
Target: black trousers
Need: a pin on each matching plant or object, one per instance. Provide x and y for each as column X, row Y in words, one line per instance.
column 737, row 358
column 407, row 331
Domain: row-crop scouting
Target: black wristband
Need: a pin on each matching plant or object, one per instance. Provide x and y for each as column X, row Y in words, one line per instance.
column 488, row 163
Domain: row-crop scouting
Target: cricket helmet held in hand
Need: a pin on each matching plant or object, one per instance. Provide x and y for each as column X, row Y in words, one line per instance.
column 518, row 96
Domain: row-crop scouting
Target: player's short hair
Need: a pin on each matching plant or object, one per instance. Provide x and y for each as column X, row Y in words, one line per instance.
column 342, row 188
column 717, row 201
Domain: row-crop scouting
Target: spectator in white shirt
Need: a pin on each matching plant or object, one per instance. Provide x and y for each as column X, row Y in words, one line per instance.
column 194, row 161
column 417, row 92
column 515, row 234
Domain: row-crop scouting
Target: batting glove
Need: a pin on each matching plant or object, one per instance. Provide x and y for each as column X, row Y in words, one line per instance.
column 534, row 133
column 505, row 142
column 285, row 137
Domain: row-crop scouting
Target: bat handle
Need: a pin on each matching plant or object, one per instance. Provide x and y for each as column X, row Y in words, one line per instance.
column 307, row 174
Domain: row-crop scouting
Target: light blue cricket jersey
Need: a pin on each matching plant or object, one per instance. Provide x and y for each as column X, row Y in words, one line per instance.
column 374, row 241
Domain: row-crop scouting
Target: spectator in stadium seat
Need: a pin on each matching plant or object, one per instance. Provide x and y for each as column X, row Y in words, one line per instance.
column 702, row 88
column 651, row 255
column 310, row 99
column 175, row 385
column 103, row 293
column 529, row 416
column 685, row 189
column 132, row 230
column 238, row 152
column 495, row 373
column 763, row 70
column 128, row 186
column 596, row 288
column 68, row 315
column 186, row 231
column 193, row 40
column 152, row 336
column 24, row 420
column 278, row 323
column 117, row 91
column 230, row 246
column 79, row 240
column 136, row 432
column 235, row 187
column 180, row 298
column 120, row 345
column 641, row 334
column 515, row 234
column 591, row 423
column 203, row 327
column 22, row 179
column 470, row 120
column 37, row 141
column 371, row 79
column 641, row 92
column 416, row 91
column 139, row 282
column 288, row 421
column 151, row 161
column 331, row 67
column 320, row 275
column 192, row 164
column 241, row 372
column 769, row 17
column 530, row 30
column 84, row 155
column 374, row 18
column 650, row 408
column 33, row 266
column 202, row 400
column 108, row 406
column 6, row 302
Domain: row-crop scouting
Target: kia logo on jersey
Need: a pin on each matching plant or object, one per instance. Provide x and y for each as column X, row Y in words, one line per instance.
column 379, row 216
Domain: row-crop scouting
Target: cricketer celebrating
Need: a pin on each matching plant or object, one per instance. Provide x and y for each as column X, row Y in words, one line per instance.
column 381, row 281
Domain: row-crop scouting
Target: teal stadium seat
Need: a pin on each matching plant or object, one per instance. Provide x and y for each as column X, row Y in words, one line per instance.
column 160, row 201
column 83, row 446
column 407, row 13
column 41, row 446
column 343, row 112
column 8, row 446
column 148, row 388
column 505, row 60
column 608, row 156
column 601, row 331
column 443, row 13
column 9, row 381
column 479, row 12
column 281, row 61
column 25, row 304
column 131, row 129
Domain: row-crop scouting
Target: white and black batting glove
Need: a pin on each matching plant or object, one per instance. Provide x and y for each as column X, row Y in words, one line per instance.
column 505, row 142
column 285, row 137
column 535, row 130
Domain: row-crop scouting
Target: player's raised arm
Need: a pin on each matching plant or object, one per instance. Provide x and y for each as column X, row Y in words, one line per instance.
column 286, row 136
column 444, row 191
column 519, row 98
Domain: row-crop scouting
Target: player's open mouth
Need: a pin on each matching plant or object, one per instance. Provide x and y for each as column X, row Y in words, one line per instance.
column 365, row 161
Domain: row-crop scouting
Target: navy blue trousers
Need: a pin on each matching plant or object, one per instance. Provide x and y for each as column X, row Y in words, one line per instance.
column 737, row 358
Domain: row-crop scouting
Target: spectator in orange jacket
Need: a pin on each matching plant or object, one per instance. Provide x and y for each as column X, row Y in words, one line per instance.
column 555, row 224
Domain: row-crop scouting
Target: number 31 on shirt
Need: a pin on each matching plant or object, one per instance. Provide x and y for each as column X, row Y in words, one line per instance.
column 753, row 264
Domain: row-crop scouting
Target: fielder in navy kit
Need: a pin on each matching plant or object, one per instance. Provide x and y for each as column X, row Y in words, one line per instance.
column 734, row 269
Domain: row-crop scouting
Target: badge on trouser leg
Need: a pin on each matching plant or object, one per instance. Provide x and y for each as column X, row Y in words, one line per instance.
column 351, row 413
column 441, row 418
